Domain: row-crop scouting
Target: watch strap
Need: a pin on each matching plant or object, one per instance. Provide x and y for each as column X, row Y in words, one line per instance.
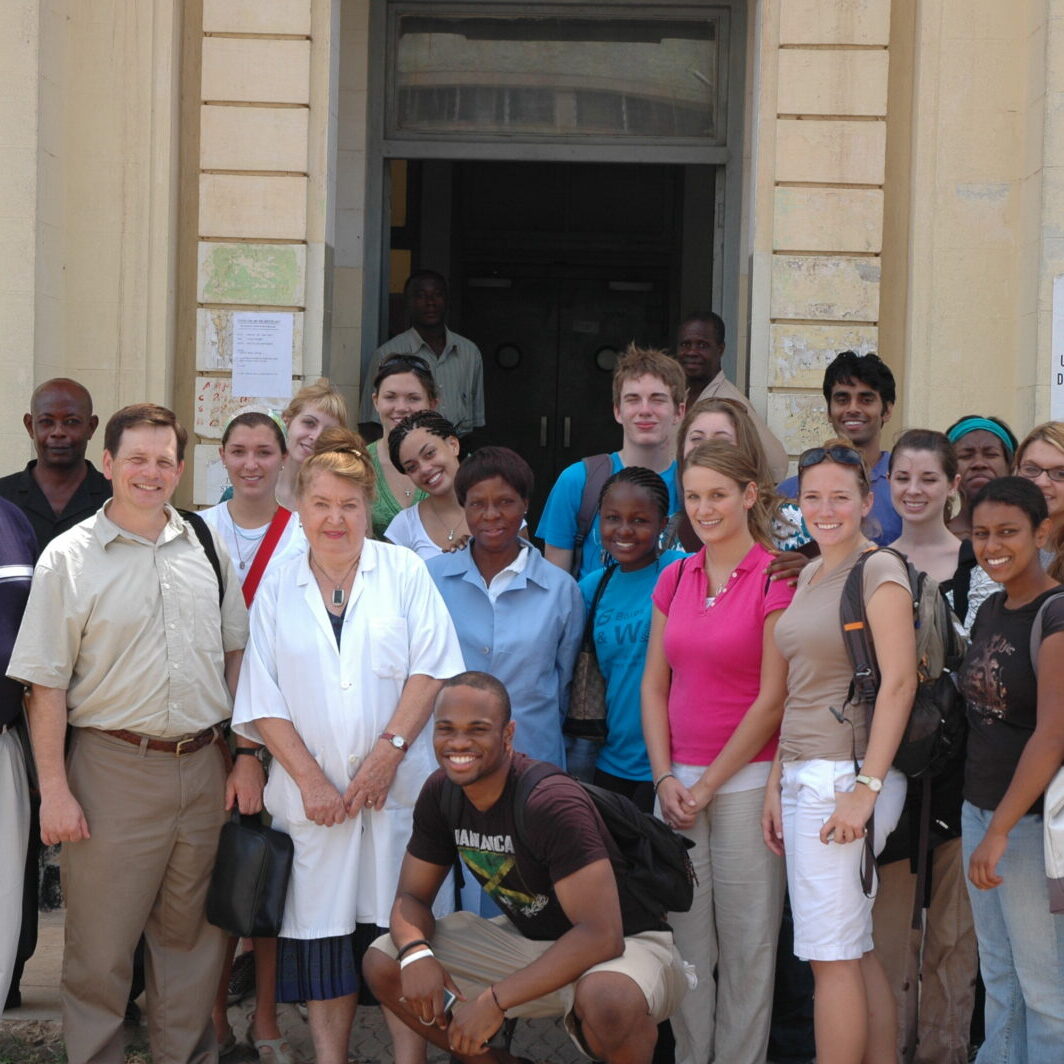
column 396, row 740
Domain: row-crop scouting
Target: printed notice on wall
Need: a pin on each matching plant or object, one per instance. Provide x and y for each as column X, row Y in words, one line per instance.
column 1056, row 386
column 262, row 354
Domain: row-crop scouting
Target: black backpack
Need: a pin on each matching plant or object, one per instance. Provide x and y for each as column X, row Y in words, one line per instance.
column 658, row 871
column 934, row 736
column 597, row 470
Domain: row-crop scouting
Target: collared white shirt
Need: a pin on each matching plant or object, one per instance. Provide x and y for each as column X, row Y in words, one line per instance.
column 339, row 700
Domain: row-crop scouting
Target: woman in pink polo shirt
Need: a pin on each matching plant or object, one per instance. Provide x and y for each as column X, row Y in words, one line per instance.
column 712, row 693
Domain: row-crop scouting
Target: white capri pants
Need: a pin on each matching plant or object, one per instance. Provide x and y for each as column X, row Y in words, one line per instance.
column 832, row 916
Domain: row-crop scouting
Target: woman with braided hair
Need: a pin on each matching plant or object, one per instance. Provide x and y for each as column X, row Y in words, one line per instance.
column 633, row 510
column 425, row 447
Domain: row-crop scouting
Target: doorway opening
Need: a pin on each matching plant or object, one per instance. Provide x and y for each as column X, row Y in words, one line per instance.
column 554, row 268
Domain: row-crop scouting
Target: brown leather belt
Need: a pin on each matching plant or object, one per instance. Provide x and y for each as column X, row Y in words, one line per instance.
column 177, row 747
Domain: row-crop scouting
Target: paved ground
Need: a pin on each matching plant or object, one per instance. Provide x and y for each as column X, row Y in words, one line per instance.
column 39, row 1016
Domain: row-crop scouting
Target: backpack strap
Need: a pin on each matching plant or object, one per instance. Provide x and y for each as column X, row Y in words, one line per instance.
column 962, row 579
column 451, row 800
column 1036, row 631
column 203, row 534
column 526, row 784
column 597, row 470
column 857, row 635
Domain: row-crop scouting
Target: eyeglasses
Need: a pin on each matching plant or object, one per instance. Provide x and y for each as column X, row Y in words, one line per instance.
column 843, row 455
column 1030, row 471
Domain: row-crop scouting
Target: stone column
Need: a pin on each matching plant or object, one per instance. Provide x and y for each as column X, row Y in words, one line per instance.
column 267, row 119
column 820, row 154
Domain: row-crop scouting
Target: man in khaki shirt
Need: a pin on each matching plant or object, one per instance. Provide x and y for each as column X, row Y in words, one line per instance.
column 129, row 638
column 700, row 349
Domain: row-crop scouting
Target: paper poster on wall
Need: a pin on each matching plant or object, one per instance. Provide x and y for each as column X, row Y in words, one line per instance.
column 262, row 354
column 1056, row 385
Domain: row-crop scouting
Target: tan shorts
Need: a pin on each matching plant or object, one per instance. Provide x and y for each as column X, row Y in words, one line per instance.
column 478, row 952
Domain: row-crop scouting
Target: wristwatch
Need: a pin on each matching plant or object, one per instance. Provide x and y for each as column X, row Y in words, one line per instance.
column 396, row 740
column 252, row 751
column 873, row 784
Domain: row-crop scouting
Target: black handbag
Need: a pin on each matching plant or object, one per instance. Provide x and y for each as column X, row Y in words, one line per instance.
column 250, row 878
column 586, row 718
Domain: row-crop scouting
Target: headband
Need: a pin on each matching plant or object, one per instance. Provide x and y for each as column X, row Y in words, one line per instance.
column 974, row 424
column 255, row 409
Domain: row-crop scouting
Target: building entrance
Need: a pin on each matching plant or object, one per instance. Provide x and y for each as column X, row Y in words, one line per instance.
column 554, row 269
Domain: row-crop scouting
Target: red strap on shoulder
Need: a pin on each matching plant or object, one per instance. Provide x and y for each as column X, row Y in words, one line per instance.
column 264, row 553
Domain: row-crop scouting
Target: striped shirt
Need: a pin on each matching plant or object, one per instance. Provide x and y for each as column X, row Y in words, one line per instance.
column 459, row 374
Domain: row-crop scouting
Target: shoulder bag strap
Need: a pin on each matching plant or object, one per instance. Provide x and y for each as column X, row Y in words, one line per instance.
column 203, row 534
column 589, row 623
column 265, row 553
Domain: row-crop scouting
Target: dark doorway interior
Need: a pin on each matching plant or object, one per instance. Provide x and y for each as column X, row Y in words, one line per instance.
column 554, row 269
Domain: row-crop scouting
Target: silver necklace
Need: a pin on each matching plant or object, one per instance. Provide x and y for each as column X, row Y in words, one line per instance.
column 451, row 532
column 339, row 596
column 239, row 534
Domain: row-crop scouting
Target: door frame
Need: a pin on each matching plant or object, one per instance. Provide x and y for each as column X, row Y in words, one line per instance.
column 727, row 226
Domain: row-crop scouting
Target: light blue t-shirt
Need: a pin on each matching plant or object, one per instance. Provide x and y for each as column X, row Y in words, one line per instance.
column 557, row 525
column 621, row 632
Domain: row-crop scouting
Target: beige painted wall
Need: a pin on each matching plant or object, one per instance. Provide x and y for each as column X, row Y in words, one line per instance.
column 88, row 127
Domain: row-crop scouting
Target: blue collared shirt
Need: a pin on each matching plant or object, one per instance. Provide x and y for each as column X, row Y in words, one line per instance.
column 528, row 639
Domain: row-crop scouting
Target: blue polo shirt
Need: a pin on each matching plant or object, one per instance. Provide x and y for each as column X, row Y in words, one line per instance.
column 883, row 523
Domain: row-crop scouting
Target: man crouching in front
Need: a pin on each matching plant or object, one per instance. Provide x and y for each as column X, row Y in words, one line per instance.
column 573, row 942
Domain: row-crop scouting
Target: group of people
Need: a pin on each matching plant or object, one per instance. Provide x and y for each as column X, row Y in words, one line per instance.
column 377, row 626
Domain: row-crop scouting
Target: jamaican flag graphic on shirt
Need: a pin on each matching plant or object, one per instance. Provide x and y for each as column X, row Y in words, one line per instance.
column 491, row 868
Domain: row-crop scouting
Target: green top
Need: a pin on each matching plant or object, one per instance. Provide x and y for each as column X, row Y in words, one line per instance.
column 386, row 506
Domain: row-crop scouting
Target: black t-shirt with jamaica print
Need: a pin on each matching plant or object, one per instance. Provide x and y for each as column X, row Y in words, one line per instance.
column 564, row 833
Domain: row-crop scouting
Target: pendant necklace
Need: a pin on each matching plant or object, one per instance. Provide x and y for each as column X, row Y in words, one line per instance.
column 339, row 596
column 239, row 534
column 451, row 532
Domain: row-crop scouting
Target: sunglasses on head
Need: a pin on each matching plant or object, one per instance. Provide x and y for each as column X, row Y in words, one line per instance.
column 410, row 361
column 838, row 453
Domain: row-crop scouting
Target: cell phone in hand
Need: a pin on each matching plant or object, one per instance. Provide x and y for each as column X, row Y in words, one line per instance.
column 449, row 998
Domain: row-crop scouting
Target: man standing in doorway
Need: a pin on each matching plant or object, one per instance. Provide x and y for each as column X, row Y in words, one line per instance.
column 134, row 637
column 455, row 361
column 700, row 350
column 60, row 487
column 648, row 403
column 860, row 393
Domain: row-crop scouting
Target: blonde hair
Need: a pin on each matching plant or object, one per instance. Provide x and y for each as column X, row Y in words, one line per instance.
column 746, row 437
column 1052, row 433
column 343, row 453
column 725, row 458
column 860, row 468
column 321, row 394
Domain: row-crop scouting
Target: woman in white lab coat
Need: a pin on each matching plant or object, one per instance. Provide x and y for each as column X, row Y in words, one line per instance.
column 348, row 645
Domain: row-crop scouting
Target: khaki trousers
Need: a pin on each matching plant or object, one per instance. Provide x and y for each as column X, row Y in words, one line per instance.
column 935, row 993
column 154, row 821
column 14, row 831
column 732, row 929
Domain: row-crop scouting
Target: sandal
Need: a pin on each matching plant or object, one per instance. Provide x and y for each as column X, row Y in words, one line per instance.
column 272, row 1050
